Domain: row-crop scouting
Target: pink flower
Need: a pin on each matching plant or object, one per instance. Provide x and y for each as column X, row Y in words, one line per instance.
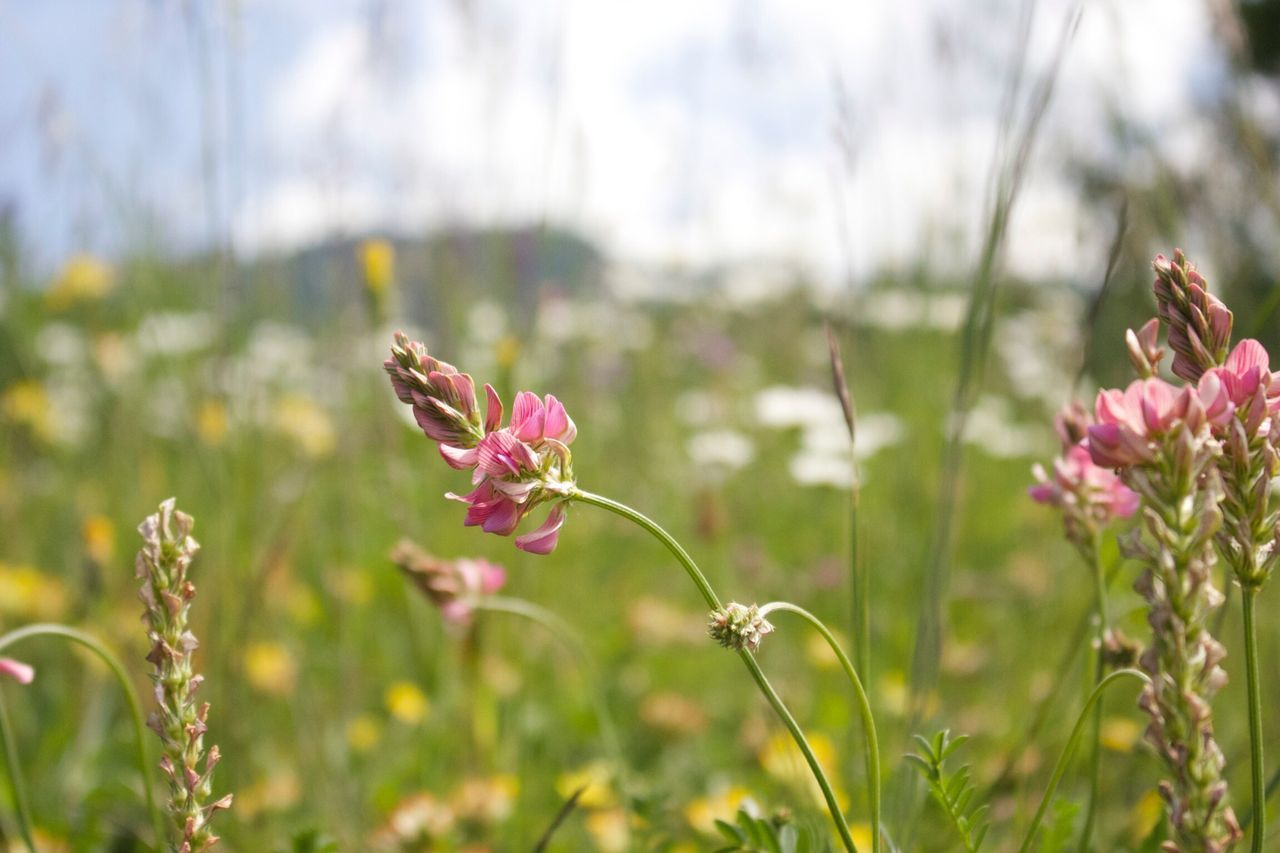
column 17, row 670
column 455, row 586
column 1129, row 422
column 534, row 421
column 443, row 400
column 1078, row 483
column 1248, row 383
column 543, row 540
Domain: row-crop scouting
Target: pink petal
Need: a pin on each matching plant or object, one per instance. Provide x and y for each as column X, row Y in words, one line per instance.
column 558, row 423
column 524, row 411
column 543, row 540
column 503, row 518
column 1041, row 493
column 492, row 409
column 461, row 458
column 17, row 670
column 1248, row 353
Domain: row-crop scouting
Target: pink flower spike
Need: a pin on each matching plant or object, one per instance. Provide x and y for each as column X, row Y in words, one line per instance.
column 543, row 540
column 17, row 670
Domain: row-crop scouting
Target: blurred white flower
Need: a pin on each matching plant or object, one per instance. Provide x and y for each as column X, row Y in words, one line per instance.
column 722, row 448
column 172, row 333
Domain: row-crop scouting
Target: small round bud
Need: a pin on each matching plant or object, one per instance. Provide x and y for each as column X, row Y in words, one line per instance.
column 738, row 626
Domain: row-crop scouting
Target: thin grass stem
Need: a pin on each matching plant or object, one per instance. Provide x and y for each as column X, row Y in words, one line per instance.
column 1095, row 748
column 1063, row 760
column 1259, row 813
column 91, row 643
column 21, row 801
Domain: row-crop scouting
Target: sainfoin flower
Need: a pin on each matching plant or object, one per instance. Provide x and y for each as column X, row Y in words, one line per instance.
column 1078, row 482
column 1131, row 422
column 23, row 673
column 514, row 469
column 452, row 585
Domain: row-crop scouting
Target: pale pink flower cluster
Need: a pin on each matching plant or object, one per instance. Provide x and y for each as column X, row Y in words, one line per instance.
column 455, row 586
column 514, row 468
column 1088, row 495
column 1131, row 423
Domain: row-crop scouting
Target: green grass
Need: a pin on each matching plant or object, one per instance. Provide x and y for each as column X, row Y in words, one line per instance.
column 295, row 555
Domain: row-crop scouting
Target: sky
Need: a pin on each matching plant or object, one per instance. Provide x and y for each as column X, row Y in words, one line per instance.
column 834, row 136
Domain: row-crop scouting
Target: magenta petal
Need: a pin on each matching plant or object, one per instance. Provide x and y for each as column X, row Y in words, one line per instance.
column 1041, row 493
column 461, row 458
column 492, row 409
column 544, row 539
column 17, row 670
column 525, row 406
column 503, row 517
column 1248, row 353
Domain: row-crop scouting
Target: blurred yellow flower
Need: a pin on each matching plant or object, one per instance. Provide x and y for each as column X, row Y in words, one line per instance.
column 378, row 264
column 363, row 733
column 506, row 350
column 83, row 278
column 608, row 829
column 26, row 403
column 28, row 593
column 594, row 779
column 819, row 652
column 406, row 703
column 275, row 793
column 486, row 800
column 1144, row 816
column 350, row 586
column 781, row 758
column 99, row 536
column 703, row 812
column 1119, row 734
column 270, row 668
column 306, row 424
column 211, row 422
column 861, row 833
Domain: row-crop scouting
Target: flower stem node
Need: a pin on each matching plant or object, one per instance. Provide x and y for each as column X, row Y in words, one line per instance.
column 738, row 626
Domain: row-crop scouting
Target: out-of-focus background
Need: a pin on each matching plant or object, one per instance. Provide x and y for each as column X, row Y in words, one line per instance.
column 214, row 214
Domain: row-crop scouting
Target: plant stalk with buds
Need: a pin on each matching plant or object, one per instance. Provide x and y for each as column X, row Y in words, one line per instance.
column 162, row 565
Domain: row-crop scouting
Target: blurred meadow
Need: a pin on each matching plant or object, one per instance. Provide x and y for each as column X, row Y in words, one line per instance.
column 201, row 269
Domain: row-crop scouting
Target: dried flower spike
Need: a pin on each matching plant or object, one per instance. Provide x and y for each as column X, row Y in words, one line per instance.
column 738, row 626
column 162, row 565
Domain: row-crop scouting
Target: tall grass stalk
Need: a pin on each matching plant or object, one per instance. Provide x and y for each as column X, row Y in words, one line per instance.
column 1099, row 672
column 762, row 682
column 17, row 781
column 91, row 643
column 1259, row 813
column 975, row 345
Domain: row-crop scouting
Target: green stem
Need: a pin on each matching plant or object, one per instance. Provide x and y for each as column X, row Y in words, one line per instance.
column 864, row 708
column 713, row 601
column 563, row 632
column 1069, row 749
column 1095, row 751
column 1259, row 815
column 135, row 708
column 21, row 803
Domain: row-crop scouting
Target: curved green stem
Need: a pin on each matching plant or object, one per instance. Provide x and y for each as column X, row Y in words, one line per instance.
column 864, row 708
column 565, row 633
column 21, row 802
column 1259, row 814
column 1069, row 749
column 713, row 601
column 1095, row 750
column 135, row 708
column 681, row 555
